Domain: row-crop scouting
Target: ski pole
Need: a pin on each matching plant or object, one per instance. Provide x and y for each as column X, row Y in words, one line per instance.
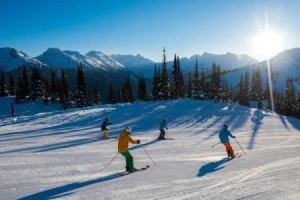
column 216, row 144
column 240, row 146
column 149, row 156
column 109, row 162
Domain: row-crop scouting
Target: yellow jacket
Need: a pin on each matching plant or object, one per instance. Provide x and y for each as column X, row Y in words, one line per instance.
column 124, row 139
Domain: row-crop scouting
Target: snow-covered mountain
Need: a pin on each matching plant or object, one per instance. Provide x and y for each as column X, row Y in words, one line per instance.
column 11, row 59
column 144, row 66
column 71, row 59
column 116, row 67
column 138, row 64
column 226, row 61
column 283, row 65
column 286, row 62
column 98, row 67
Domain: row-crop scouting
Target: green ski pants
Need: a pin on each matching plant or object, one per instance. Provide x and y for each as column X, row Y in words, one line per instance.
column 129, row 160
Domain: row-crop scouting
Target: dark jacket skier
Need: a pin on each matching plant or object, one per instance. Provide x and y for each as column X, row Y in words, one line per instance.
column 104, row 129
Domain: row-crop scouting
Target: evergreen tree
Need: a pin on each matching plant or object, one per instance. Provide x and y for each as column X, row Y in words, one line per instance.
column 297, row 106
column 37, row 86
column 3, row 91
column 119, row 95
column 25, row 82
column 279, row 102
column 142, row 92
column 290, row 99
column 111, row 95
column 81, row 93
column 54, row 89
column 190, row 88
column 47, row 91
column 203, row 83
column 12, row 88
column 90, row 97
column 176, row 73
column 20, row 92
column 256, row 87
column 127, row 91
column 124, row 94
column 96, row 95
column 243, row 94
column 246, row 89
column 224, row 92
column 196, row 81
column 215, row 84
column 155, row 84
column 240, row 97
column 159, row 84
column 64, row 95
column 165, row 90
column 182, row 92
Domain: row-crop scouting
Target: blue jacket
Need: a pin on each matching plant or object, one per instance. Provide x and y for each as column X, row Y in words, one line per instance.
column 163, row 125
column 104, row 124
column 224, row 135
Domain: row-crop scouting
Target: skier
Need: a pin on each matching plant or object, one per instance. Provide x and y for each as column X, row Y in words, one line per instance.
column 124, row 139
column 162, row 127
column 224, row 138
column 104, row 129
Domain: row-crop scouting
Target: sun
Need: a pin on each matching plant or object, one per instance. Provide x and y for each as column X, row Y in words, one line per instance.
column 268, row 43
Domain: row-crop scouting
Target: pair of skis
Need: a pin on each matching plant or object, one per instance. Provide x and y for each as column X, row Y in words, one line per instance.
column 165, row 139
column 102, row 138
column 236, row 156
column 137, row 170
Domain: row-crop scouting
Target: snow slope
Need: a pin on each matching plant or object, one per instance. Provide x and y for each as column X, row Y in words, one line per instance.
column 48, row 153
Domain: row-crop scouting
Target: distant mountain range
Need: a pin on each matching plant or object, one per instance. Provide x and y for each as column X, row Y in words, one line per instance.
column 104, row 69
column 98, row 68
column 282, row 66
column 11, row 59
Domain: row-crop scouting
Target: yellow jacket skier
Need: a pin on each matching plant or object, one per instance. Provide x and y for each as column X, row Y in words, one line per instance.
column 124, row 140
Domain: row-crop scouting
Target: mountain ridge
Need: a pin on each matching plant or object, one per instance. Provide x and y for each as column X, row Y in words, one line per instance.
column 70, row 59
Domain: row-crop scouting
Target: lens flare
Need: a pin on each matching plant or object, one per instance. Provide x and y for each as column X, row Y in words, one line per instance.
column 268, row 43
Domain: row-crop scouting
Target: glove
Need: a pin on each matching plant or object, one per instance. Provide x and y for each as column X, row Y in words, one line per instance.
column 138, row 141
column 233, row 136
column 167, row 128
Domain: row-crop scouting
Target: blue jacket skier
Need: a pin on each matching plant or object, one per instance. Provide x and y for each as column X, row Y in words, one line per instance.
column 162, row 127
column 224, row 139
column 104, row 129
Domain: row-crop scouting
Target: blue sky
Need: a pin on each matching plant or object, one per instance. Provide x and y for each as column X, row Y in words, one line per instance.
column 183, row 27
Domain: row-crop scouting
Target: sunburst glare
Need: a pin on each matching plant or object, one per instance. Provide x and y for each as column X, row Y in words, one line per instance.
column 268, row 43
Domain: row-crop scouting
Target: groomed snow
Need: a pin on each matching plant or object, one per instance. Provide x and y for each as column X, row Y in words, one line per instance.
column 47, row 153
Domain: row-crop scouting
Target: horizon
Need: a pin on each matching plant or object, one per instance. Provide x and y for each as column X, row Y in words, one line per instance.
column 259, row 29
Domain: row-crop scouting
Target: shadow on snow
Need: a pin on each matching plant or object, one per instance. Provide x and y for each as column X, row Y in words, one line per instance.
column 66, row 189
column 212, row 167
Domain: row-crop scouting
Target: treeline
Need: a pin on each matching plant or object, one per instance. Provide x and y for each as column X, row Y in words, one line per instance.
column 283, row 102
column 33, row 86
column 170, row 84
column 166, row 84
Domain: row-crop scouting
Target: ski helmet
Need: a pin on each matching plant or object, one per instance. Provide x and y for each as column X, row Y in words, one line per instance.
column 127, row 129
column 225, row 126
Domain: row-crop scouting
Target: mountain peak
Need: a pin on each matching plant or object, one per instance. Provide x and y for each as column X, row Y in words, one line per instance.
column 11, row 59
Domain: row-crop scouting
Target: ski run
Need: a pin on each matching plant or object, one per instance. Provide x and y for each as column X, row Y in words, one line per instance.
column 49, row 153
